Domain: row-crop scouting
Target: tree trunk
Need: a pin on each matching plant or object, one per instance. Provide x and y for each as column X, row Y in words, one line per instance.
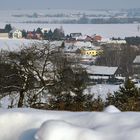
column 21, row 99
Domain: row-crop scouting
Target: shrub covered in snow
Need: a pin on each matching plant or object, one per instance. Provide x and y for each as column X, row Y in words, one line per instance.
column 127, row 98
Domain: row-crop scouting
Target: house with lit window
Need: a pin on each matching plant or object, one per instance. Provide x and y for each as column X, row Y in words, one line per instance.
column 92, row 52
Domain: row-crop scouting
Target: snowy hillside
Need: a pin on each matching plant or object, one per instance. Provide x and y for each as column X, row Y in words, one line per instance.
column 30, row 124
column 16, row 44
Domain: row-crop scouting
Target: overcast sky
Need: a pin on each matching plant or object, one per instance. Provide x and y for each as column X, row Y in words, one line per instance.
column 69, row 4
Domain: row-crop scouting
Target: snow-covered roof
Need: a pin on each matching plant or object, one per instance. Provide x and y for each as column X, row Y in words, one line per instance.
column 137, row 59
column 74, row 35
column 81, row 37
column 56, row 43
column 15, row 30
column 73, row 46
column 101, row 70
column 99, row 77
column 83, row 44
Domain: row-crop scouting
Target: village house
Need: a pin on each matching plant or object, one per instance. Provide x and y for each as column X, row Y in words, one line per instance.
column 3, row 33
column 89, row 38
column 92, row 52
column 136, row 66
column 43, row 30
column 81, row 38
column 72, row 46
column 15, row 33
column 39, row 36
column 75, row 35
column 87, row 59
column 31, row 35
column 96, row 38
column 101, row 74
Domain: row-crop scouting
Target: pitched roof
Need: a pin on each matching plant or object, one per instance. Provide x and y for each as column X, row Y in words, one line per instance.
column 137, row 59
column 101, row 70
column 75, row 34
column 13, row 30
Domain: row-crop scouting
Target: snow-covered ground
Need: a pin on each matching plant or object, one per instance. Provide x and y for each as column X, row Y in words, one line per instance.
column 103, row 90
column 31, row 124
column 16, row 44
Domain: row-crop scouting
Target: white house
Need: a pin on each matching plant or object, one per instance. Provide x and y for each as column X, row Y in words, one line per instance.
column 45, row 30
column 136, row 66
column 15, row 33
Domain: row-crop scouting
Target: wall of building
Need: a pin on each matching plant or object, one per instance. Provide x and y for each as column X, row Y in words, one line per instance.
column 3, row 35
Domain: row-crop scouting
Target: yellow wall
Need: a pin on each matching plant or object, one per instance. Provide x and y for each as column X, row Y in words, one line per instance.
column 91, row 52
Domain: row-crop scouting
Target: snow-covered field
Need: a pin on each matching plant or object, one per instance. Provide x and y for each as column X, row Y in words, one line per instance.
column 16, row 44
column 31, row 124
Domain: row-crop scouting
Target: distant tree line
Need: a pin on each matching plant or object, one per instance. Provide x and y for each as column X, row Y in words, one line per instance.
column 86, row 20
column 57, row 34
column 133, row 40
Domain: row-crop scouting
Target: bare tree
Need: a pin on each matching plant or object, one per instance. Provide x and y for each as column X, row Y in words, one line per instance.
column 42, row 74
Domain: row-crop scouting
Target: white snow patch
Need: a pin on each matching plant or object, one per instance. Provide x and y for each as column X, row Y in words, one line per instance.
column 31, row 124
column 61, row 130
column 111, row 109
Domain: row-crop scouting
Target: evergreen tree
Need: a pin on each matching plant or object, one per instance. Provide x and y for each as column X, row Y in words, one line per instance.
column 24, row 34
column 8, row 28
column 38, row 30
column 127, row 98
column 58, row 34
column 50, row 34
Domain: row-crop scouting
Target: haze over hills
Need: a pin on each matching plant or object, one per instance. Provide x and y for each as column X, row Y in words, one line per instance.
column 63, row 16
column 69, row 4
